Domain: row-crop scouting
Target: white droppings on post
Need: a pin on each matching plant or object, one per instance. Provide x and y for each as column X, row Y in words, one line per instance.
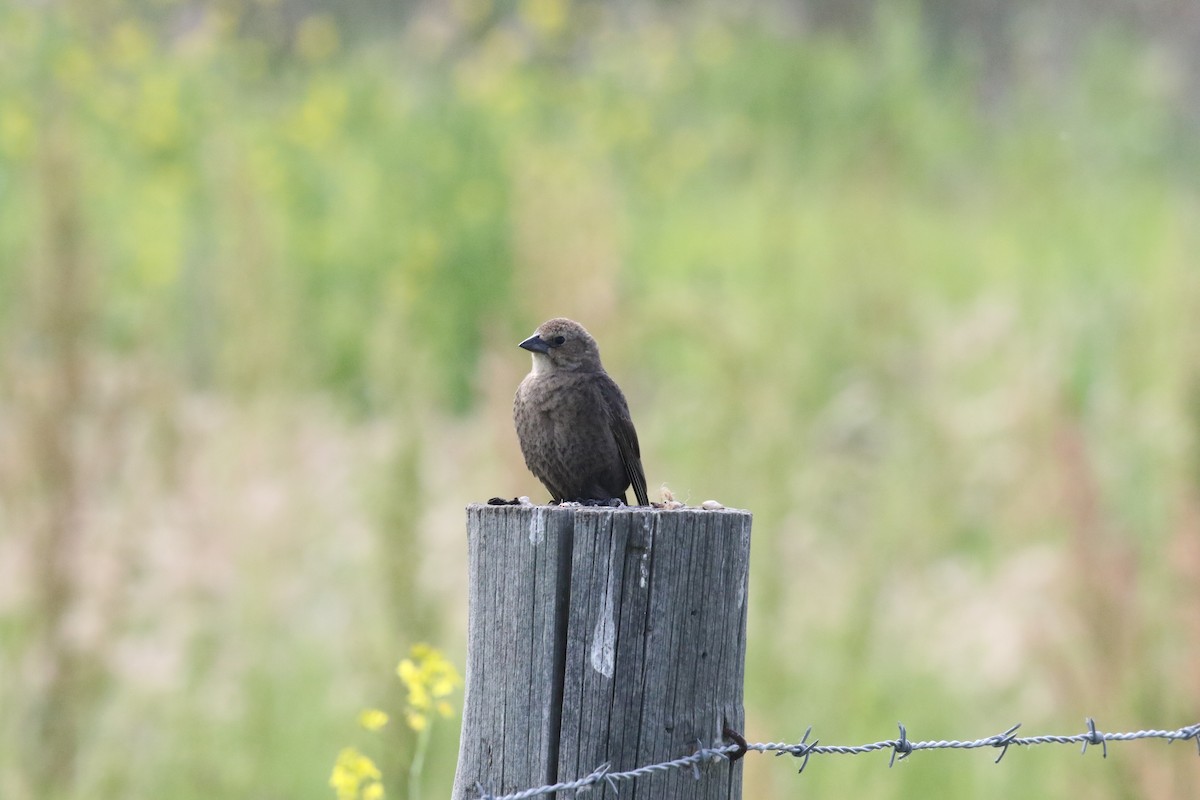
column 604, row 639
column 644, row 561
column 741, row 589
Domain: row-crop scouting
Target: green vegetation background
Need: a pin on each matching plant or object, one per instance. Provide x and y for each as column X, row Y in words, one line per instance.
column 261, row 278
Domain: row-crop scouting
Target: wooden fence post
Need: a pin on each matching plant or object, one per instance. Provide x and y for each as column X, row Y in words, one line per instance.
column 603, row 635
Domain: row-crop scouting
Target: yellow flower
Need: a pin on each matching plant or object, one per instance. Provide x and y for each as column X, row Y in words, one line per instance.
column 428, row 676
column 355, row 776
column 416, row 720
column 372, row 719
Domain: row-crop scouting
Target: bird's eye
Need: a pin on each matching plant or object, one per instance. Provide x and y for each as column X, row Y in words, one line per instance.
column 558, row 340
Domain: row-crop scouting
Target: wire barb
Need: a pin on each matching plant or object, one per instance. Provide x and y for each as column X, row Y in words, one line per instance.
column 901, row 747
column 1003, row 740
column 1093, row 737
column 700, row 752
column 1193, row 733
column 801, row 749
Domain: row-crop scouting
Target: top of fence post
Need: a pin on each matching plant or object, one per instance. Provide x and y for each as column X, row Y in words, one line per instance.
column 603, row 635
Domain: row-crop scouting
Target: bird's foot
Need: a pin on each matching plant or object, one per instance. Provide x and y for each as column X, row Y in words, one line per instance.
column 611, row 502
column 516, row 501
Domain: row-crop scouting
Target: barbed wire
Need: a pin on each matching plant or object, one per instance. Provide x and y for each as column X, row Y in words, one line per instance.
column 901, row 748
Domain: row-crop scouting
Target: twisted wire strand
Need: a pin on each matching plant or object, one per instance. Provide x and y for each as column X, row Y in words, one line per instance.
column 901, row 748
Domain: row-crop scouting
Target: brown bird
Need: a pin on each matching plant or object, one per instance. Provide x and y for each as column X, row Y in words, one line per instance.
column 572, row 420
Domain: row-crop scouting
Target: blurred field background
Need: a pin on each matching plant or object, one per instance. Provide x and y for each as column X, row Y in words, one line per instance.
column 916, row 283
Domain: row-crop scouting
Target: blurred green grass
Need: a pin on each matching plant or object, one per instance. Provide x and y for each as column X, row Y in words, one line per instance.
column 260, row 285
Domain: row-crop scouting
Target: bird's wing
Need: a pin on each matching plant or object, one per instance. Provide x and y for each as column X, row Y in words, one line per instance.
column 621, row 425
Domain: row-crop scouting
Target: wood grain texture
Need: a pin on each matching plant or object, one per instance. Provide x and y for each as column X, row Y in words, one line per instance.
column 603, row 635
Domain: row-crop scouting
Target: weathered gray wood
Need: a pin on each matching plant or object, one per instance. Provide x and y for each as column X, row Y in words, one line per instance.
column 603, row 635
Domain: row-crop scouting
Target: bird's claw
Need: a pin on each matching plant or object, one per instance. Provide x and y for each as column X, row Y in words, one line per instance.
column 611, row 502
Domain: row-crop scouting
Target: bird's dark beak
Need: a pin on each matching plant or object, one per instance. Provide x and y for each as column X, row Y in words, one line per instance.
column 535, row 344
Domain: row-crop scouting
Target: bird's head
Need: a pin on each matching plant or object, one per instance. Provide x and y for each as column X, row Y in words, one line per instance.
column 563, row 344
